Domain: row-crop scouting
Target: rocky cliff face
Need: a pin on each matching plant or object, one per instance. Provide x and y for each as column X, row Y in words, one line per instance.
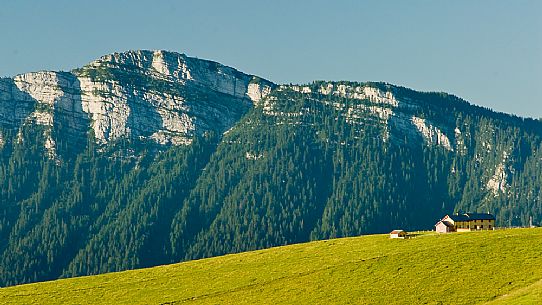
column 169, row 98
column 397, row 115
column 156, row 95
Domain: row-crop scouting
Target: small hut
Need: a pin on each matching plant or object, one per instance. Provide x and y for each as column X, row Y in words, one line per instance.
column 398, row 234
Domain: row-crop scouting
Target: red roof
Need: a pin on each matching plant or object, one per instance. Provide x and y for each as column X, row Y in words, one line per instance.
column 396, row 231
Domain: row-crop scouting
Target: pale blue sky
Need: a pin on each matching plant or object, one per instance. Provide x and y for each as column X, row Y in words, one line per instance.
column 488, row 52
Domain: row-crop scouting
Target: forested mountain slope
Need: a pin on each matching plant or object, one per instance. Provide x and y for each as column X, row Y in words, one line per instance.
column 150, row 157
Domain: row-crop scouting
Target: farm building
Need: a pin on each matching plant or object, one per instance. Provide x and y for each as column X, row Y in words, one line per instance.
column 465, row 222
column 444, row 226
column 398, row 234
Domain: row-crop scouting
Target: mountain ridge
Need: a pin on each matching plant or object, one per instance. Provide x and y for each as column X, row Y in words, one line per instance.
column 103, row 93
column 159, row 65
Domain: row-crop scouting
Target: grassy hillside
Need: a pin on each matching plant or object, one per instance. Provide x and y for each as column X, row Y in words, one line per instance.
column 525, row 296
column 497, row 267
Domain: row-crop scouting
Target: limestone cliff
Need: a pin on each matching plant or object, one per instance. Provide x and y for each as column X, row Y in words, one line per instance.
column 162, row 96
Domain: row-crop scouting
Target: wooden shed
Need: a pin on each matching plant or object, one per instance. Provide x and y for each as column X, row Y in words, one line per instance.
column 398, row 234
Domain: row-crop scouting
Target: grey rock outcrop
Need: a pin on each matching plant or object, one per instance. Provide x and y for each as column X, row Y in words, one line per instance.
column 161, row 96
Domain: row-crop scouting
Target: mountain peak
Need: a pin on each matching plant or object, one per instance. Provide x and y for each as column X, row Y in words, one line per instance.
column 157, row 60
column 159, row 95
column 180, row 68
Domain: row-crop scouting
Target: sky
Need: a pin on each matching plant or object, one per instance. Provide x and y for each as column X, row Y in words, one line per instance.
column 488, row 52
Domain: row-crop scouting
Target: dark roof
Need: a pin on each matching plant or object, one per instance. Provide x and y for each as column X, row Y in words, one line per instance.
column 480, row 216
column 472, row 216
column 459, row 217
column 446, row 223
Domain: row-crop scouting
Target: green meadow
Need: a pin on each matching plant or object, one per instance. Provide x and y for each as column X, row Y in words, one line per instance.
column 492, row 267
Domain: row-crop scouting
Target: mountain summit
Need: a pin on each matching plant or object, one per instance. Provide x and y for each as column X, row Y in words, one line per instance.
column 151, row 157
column 163, row 96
